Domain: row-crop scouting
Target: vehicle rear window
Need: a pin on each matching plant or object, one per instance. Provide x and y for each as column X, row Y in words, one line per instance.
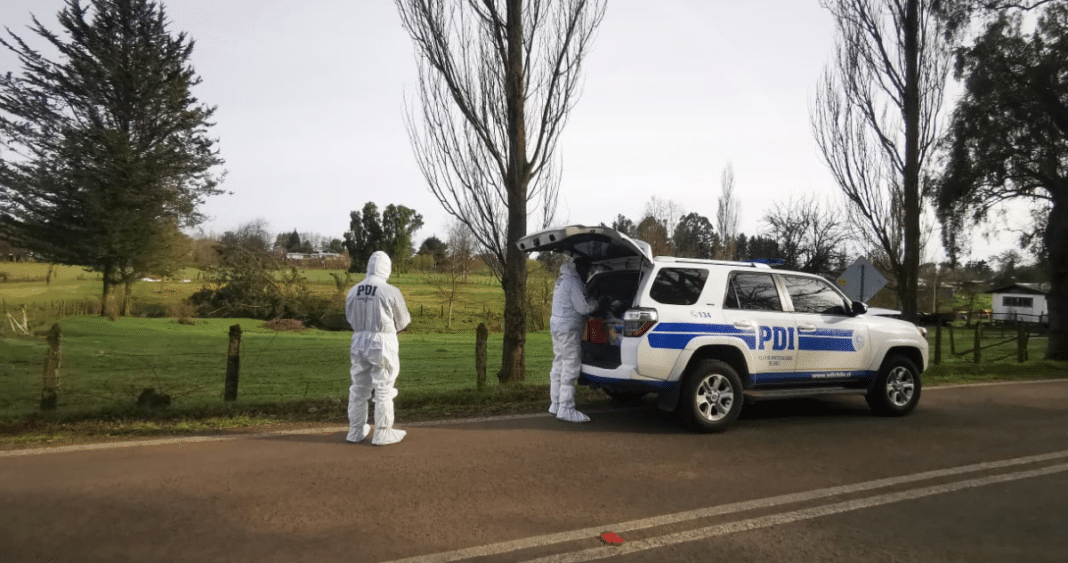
column 617, row 285
column 752, row 292
column 813, row 295
column 678, row 286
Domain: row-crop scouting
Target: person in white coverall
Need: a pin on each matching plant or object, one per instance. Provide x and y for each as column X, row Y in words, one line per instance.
column 377, row 312
column 571, row 304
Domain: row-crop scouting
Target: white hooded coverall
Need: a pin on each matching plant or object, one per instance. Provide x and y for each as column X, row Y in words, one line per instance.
column 377, row 312
column 570, row 307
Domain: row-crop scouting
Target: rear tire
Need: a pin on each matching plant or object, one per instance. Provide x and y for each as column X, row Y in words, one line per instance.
column 896, row 390
column 711, row 397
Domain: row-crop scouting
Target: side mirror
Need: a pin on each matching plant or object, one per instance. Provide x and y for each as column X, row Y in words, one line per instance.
column 858, row 308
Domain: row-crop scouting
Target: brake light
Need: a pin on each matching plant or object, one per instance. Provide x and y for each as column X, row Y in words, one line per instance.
column 637, row 322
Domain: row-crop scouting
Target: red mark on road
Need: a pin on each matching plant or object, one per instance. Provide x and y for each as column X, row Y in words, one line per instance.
column 611, row 538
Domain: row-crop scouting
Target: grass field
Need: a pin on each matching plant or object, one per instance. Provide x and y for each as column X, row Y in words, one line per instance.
column 284, row 375
column 72, row 290
column 291, row 376
column 107, row 364
column 998, row 360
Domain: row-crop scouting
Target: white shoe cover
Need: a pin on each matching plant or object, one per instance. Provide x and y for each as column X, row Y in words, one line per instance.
column 387, row 437
column 358, row 427
column 554, row 396
column 567, row 411
column 385, row 434
column 571, row 415
column 357, row 434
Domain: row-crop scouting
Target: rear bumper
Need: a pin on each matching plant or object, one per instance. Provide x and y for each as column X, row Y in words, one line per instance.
column 667, row 392
column 596, row 378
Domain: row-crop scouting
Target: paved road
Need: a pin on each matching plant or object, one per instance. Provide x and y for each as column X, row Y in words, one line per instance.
column 977, row 473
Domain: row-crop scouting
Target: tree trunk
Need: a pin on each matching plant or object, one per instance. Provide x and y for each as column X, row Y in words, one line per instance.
column 910, row 295
column 513, row 360
column 127, row 297
column 106, row 293
column 1057, row 246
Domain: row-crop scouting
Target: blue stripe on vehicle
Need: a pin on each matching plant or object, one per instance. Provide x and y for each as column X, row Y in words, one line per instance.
column 772, row 377
column 677, row 335
column 673, row 341
column 825, row 344
column 836, row 332
column 701, row 327
column 679, row 341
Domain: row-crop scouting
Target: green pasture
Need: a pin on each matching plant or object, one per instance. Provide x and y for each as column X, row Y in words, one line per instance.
column 107, row 364
column 998, row 357
column 73, row 290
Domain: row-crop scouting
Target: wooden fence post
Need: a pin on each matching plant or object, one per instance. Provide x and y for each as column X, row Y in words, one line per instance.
column 938, row 344
column 50, row 391
column 481, row 338
column 233, row 364
column 977, row 354
column 1021, row 343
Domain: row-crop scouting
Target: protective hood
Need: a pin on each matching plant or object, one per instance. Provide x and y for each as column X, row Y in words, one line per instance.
column 379, row 265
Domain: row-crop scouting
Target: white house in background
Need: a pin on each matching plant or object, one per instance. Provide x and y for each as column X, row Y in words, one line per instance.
column 1021, row 302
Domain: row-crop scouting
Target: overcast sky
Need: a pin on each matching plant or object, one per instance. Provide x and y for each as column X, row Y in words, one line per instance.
column 311, row 97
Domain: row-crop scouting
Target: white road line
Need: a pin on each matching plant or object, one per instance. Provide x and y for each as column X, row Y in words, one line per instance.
column 550, row 539
column 259, row 435
column 788, row 517
column 165, row 441
column 994, row 384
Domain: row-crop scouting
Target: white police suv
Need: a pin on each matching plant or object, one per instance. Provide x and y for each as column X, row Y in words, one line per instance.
column 704, row 334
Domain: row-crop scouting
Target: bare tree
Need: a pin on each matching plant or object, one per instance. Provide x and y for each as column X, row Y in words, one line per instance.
column 727, row 216
column 460, row 250
column 667, row 212
column 875, row 119
column 497, row 80
column 811, row 235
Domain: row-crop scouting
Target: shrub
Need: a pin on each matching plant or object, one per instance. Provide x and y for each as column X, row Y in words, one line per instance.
column 183, row 310
column 257, row 285
column 284, row 325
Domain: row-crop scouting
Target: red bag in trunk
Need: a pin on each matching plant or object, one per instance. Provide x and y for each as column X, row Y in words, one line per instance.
column 596, row 332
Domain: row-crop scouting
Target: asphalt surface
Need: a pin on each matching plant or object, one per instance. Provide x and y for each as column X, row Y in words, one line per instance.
column 977, row 473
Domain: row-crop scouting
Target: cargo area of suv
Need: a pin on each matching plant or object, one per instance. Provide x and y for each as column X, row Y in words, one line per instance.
column 604, row 328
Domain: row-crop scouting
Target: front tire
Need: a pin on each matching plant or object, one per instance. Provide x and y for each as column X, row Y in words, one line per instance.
column 711, row 397
column 896, row 390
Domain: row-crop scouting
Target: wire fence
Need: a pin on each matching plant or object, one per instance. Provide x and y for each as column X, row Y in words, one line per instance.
column 98, row 370
column 274, row 368
column 987, row 342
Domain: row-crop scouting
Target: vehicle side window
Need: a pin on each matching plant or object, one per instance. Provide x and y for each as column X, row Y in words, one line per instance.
column 678, row 286
column 752, row 292
column 813, row 295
